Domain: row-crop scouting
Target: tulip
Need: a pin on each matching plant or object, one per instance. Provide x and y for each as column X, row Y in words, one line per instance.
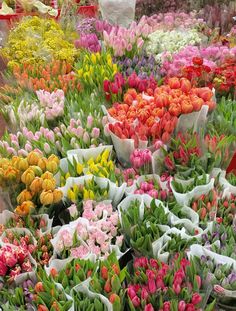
column 42, row 163
column 25, row 208
column 166, row 306
column 33, row 158
column 28, row 176
column 57, row 196
column 47, row 175
column 52, row 166
column 48, row 184
column 149, row 307
column 181, row 305
column 196, row 298
column 46, row 197
column 54, row 158
column 25, row 195
column 136, row 301
column 22, row 164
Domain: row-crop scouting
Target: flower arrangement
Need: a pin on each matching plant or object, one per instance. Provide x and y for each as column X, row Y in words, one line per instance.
column 22, row 44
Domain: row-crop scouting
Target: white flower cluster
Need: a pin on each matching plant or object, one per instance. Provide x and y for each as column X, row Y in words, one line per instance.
column 172, row 41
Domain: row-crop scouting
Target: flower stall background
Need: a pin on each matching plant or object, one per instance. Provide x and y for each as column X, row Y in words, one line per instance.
column 117, row 127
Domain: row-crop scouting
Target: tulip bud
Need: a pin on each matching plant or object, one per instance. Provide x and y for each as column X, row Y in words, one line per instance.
column 37, row 170
column 47, row 175
column 52, row 166
column 25, row 195
column 23, row 164
column 196, row 298
column 33, row 158
column 42, row 163
column 46, row 197
column 54, row 158
column 25, row 208
column 57, row 196
column 28, row 176
column 48, row 184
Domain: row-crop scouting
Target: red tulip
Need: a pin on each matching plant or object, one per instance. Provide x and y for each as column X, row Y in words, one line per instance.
column 196, row 298
column 174, row 83
column 197, row 61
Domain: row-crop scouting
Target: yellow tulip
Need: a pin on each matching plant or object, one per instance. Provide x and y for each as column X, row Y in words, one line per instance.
column 71, row 195
column 11, row 173
column 52, row 166
column 86, row 194
column 91, row 195
column 36, row 185
column 25, row 208
column 42, row 163
column 46, row 197
column 22, row 164
column 53, row 157
column 57, row 196
column 90, row 161
column 49, row 184
column 93, row 58
column 79, row 168
column 67, row 175
column 47, row 175
column 105, row 155
column 80, row 73
column 37, row 170
column 25, row 195
column 28, row 176
column 33, row 157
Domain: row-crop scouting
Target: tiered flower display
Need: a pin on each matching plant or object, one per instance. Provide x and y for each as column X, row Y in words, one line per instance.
column 115, row 187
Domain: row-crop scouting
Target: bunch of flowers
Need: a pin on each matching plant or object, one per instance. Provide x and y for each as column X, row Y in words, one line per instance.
column 47, row 295
column 89, row 42
column 94, row 68
column 9, row 173
column 226, row 210
column 87, row 25
column 152, row 187
column 101, row 166
column 83, row 239
column 87, row 191
column 205, row 205
column 33, row 223
column 141, row 161
column 19, row 239
column 114, row 88
column 75, row 272
column 128, row 42
column 14, row 261
column 109, row 280
column 213, row 55
column 44, row 250
column 130, row 175
column 47, row 77
column 26, row 44
column 77, row 133
column 221, row 240
column 139, row 232
column 172, row 41
column 164, row 287
column 143, row 65
column 37, row 178
column 197, row 181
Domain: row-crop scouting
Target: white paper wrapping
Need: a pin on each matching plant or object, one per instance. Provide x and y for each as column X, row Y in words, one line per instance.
column 118, row 12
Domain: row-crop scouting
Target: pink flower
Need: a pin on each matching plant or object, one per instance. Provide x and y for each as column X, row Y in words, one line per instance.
column 144, row 294
column 114, row 218
column 196, row 298
column 86, row 137
column 3, row 269
column 149, row 307
column 47, row 148
column 89, row 121
column 190, row 307
column 131, row 292
column 176, row 288
column 152, row 286
column 169, row 163
column 105, row 247
column 73, row 211
column 181, row 305
column 136, row 301
column 26, row 266
column 82, row 231
column 67, row 238
column 166, row 306
column 160, row 282
column 119, row 240
column 80, row 252
column 95, row 132
column 15, row 272
column 9, row 258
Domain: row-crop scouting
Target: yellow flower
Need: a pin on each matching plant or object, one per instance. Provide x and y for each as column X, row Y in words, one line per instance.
column 36, row 185
column 79, row 168
column 86, row 194
column 49, row 184
column 80, row 73
column 23, row 164
column 93, row 58
column 90, row 161
column 33, row 158
column 53, row 157
column 37, row 170
column 57, row 195
column 42, row 163
column 46, row 197
column 94, row 168
column 25, row 208
column 115, row 68
column 25, row 195
column 28, row 176
column 67, row 175
column 105, row 155
column 52, row 166
column 47, row 175
column 71, row 195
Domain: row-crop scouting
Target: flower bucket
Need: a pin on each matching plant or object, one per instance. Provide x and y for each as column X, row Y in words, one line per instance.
column 88, row 10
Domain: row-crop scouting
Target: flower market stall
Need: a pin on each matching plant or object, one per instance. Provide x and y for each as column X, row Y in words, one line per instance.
column 117, row 155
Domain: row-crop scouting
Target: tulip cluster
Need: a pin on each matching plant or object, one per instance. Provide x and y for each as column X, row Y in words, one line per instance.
column 141, row 233
column 205, row 205
column 151, row 187
column 14, row 261
column 48, row 295
column 141, row 161
column 75, row 272
column 40, row 186
column 197, row 181
column 83, row 302
column 19, row 239
column 93, row 69
column 164, row 287
column 89, row 42
column 44, row 250
column 108, row 281
column 101, row 166
column 226, row 210
column 50, row 77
